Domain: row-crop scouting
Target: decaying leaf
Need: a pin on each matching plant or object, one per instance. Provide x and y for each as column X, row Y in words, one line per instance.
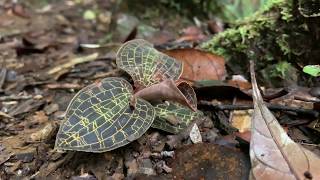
column 210, row 161
column 273, row 154
column 241, row 119
column 173, row 118
column 167, row 90
column 199, row 65
column 146, row 65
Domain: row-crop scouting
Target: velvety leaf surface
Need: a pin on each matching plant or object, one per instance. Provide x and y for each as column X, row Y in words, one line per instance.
column 100, row 119
column 146, row 65
column 173, row 118
column 273, row 154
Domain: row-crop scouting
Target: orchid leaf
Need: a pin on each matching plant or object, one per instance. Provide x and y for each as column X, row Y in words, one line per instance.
column 99, row 118
column 146, row 65
column 173, row 118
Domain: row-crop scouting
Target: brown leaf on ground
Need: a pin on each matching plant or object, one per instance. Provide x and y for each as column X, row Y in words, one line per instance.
column 273, row 154
column 169, row 91
column 199, row 65
column 192, row 33
column 209, row 161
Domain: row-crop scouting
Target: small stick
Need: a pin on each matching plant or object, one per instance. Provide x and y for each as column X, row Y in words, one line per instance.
column 274, row 107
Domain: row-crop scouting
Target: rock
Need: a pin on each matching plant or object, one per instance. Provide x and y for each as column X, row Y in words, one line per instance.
column 145, row 167
column 161, row 166
column 195, row 135
column 85, row 176
column 174, row 141
column 131, row 164
column 207, row 123
column 51, row 108
column 167, row 153
column 210, row 136
column 44, row 134
column 59, row 115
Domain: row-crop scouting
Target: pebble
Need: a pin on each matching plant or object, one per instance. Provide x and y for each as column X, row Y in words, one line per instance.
column 51, row 108
column 145, row 167
column 195, row 135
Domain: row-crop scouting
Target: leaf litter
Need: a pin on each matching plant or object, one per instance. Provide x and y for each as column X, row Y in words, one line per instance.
column 43, row 65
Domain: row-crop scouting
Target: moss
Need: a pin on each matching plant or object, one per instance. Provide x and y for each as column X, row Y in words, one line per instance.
column 276, row 33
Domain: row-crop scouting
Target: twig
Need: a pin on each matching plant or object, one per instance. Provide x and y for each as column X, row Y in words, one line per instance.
column 3, row 73
column 73, row 62
column 64, row 86
column 15, row 98
column 274, row 107
column 107, row 74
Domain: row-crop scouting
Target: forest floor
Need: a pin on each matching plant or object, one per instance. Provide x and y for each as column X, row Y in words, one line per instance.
column 47, row 55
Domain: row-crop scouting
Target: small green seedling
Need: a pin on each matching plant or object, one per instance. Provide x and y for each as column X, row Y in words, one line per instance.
column 106, row 115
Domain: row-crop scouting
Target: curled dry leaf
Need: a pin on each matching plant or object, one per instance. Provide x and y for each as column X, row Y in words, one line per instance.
column 199, row 65
column 273, row 154
column 167, row 90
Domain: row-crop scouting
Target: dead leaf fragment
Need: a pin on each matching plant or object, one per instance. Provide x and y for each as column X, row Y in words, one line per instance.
column 241, row 119
column 209, row 161
column 199, row 65
column 273, row 154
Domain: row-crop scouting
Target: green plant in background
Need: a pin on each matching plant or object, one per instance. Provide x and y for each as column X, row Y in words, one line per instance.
column 276, row 33
column 227, row 10
column 313, row 70
column 109, row 114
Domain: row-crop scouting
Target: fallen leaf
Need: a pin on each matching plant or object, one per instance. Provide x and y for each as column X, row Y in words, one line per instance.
column 241, row 119
column 209, row 161
column 240, row 82
column 192, row 33
column 199, row 65
column 273, row 154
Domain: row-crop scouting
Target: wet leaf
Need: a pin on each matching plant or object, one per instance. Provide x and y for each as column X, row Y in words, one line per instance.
column 199, row 65
column 209, row 161
column 173, row 118
column 273, row 154
column 99, row 118
column 146, row 65
column 167, row 90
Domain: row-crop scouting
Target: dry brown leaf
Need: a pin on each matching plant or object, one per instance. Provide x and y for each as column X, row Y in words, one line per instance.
column 199, row 65
column 273, row 154
column 241, row 119
column 169, row 91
